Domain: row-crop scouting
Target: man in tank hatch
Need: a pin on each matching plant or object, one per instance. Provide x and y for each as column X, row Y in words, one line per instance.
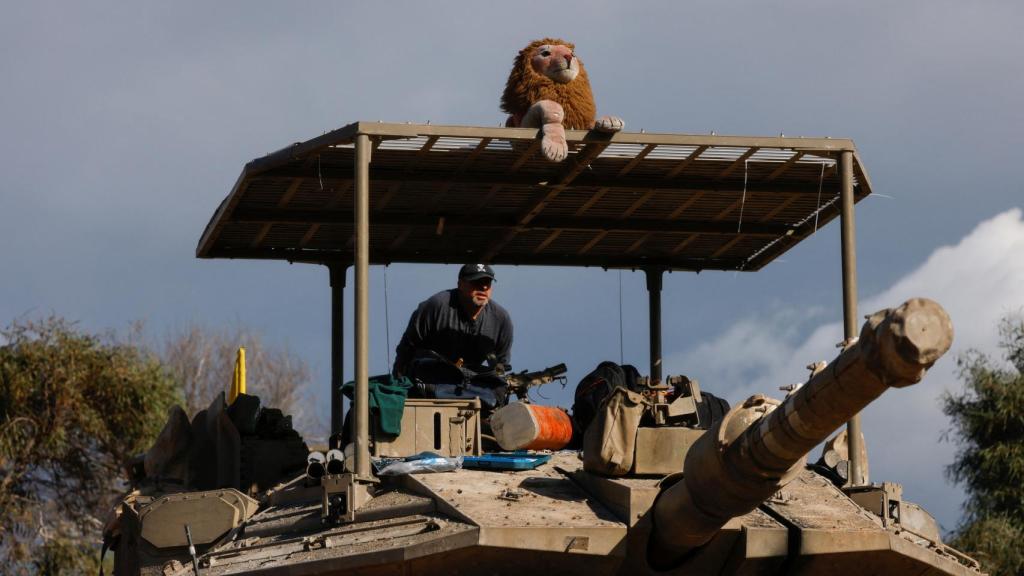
column 463, row 327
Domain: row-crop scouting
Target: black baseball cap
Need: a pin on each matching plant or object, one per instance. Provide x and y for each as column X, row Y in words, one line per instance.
column 470, row 272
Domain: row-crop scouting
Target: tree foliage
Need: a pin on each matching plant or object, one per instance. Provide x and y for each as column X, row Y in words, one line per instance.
column 995, row 542
column 74, row 408
column 988, row 424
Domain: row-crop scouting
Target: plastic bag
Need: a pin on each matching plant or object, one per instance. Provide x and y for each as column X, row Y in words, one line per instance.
column 422, row 463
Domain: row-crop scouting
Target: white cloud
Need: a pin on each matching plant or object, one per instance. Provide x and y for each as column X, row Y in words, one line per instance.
column 978, row 281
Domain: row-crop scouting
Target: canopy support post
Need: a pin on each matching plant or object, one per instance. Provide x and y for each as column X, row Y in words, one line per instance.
column 855, row 447
column 337, row 271
column 345, row 493
column 654, row 283
column 362, row 327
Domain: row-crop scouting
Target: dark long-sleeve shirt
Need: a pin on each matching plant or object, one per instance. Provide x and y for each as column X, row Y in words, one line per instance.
column 440, row 324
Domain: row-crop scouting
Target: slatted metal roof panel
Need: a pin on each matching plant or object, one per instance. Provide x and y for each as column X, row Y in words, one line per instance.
column 451, row 194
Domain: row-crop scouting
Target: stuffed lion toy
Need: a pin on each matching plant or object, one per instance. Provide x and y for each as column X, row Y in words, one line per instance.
column 548, row 89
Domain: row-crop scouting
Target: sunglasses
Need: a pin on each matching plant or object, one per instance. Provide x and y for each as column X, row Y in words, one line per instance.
column 482, row 283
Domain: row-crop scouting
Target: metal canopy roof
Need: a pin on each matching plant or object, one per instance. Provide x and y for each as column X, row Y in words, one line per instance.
column 452, row 194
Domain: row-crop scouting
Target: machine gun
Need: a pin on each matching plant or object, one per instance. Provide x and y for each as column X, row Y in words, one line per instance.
column 520, row 383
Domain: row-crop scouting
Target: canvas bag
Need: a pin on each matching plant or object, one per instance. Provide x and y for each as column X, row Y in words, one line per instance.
column 610, row 440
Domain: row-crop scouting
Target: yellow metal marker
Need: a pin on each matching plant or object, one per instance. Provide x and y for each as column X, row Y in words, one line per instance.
column 238, row 378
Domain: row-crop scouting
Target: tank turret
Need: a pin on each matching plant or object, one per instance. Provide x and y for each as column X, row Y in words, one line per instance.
column 762, row 444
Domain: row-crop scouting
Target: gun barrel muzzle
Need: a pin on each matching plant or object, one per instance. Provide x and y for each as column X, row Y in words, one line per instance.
column 556, row 370
column 315, row 468
column 335, row 462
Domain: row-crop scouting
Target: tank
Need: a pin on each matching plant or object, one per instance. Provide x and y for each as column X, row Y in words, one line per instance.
column 695, row 489
column 745, row 501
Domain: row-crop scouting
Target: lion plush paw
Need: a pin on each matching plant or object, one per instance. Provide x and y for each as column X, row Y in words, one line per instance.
column 553, row 144
column 609, row 124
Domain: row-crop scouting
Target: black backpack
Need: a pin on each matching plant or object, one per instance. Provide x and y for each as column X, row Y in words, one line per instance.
column 711, row 409
column 598, row 385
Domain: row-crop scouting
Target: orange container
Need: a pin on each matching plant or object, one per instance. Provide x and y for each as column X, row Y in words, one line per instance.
column 520, row 426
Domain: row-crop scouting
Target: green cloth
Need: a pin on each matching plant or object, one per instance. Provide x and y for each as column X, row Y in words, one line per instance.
column 387, row 401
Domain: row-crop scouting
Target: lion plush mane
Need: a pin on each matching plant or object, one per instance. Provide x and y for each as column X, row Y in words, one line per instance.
column 525, row 87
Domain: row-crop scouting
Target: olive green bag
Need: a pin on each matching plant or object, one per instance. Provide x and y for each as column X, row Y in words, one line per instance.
column 609, row 442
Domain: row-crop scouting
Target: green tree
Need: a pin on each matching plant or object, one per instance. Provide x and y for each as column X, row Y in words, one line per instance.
column 988, row 424
column 74, row 408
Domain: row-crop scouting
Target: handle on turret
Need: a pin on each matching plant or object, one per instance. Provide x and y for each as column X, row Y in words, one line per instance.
column 761, row 445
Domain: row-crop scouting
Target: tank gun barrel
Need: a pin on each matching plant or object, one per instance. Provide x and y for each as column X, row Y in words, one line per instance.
column 760, row 446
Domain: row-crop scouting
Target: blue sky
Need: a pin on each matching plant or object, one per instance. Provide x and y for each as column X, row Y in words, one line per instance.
column 125, row 125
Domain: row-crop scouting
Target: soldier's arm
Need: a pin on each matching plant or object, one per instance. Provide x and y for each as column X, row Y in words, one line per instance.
column 503, row 347
column 411, row 340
